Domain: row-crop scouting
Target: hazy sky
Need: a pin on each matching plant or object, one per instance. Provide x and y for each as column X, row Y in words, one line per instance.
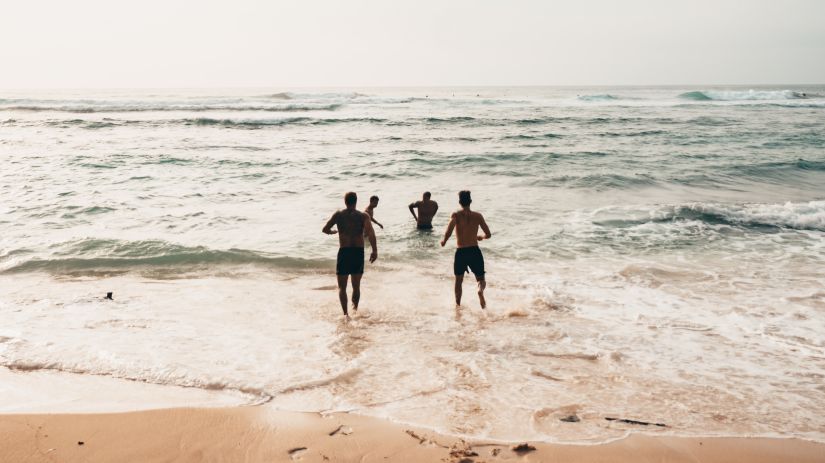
column 180, row 43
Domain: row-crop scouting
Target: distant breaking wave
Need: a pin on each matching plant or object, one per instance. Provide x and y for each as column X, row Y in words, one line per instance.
column 742, row 95
column 599, row 97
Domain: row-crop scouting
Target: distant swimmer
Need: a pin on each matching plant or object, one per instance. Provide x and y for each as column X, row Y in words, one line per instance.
column 352, row 225
column 468, row 254
column 426, row 212
column 371, row 208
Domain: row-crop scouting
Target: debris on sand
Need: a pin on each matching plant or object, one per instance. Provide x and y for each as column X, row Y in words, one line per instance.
column 642, row 423
column 345, row 430
column 295, row 453
column 523, row 448
column 462, row 452
column 423, row 440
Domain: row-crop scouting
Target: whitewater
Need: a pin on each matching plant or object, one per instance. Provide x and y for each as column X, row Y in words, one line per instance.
column 658, row 254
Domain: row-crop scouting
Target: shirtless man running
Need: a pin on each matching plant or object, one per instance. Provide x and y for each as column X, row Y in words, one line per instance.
column 426, row 212
column 468, row 254
column 352, row 226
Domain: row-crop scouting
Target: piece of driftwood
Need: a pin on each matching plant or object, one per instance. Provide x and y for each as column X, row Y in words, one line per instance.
column 642, row 423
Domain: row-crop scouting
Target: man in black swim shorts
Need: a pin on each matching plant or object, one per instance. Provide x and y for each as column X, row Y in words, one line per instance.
column 352, row 225
column 468, row 255
column 469, row 258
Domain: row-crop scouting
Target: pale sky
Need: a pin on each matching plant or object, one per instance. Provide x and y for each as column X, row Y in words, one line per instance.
column 335, row 43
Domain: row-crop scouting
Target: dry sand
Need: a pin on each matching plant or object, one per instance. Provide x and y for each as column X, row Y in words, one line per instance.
column 260, row 434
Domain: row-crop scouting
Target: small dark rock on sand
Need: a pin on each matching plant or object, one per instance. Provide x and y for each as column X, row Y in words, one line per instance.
column 523, row 448
column 570, row 419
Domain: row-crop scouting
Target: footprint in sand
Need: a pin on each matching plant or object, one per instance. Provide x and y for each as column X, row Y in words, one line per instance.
column 297, row 453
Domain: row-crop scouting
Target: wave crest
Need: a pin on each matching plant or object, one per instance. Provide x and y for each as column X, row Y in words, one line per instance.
column 796, row 216
column 598, row 97
column 110, row 257
column 742, row 95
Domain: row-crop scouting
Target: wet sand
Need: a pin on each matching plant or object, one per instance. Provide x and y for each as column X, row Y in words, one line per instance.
column 262, row 434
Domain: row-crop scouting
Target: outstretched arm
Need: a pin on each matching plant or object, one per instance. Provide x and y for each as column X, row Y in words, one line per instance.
column 449, row 230
column 376, row 222
column 412, row 211
column 373, row 242
column 485, row 228
column 328, row 227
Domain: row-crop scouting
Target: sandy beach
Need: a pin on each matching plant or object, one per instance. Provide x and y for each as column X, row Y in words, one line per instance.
column 260, row 434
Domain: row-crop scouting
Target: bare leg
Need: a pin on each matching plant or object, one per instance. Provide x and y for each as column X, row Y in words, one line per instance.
column 356, row 291
column 482, row 283
column 458, row 280
column 342, row 292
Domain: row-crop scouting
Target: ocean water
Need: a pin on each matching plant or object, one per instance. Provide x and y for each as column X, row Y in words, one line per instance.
column 658, row 254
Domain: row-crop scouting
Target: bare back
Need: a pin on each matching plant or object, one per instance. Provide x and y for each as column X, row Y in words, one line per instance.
column 467, row 224
column 426, row 211
column 351, row 227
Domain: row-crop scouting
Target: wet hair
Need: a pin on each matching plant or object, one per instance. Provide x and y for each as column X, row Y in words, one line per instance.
column 350, row 198
column 427, row 195
column 373, row 198
column 464, row 198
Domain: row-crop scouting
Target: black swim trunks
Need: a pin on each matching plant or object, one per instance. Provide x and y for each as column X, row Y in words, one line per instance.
column 425, row 226
column 350, row 261
column 469, row 258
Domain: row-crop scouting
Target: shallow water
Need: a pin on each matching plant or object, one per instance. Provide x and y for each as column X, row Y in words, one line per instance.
column 657, row 253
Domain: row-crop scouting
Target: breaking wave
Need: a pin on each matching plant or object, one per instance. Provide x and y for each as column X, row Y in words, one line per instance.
column 742, row 95
column 109, row 257
column 797, row 216
column 599, row 97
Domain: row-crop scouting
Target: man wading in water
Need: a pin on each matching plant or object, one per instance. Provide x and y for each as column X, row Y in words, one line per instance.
column 468, row 254
column 370, row 210
column 426, row 212
column 352, row 226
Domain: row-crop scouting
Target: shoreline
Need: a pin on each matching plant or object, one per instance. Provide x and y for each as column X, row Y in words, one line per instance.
column 80, row 394
column 259, row 433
